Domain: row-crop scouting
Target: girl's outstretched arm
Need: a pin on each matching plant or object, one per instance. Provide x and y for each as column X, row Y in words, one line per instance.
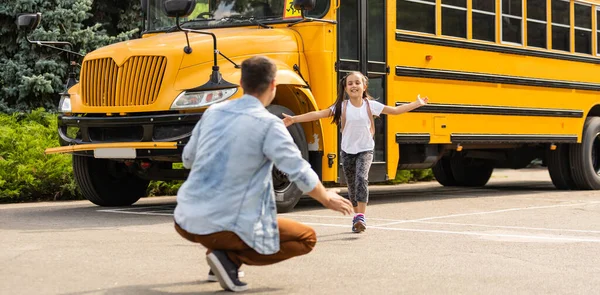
column 405, row 107
column 308, row 117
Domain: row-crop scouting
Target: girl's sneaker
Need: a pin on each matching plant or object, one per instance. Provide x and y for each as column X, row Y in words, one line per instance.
column 359, row 224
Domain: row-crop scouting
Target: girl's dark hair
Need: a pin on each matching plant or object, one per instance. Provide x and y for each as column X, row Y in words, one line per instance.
column 342, row 95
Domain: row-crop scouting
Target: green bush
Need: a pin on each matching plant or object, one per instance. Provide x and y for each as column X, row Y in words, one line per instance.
column 405, row 176
column 164, row 188
column 26, row 173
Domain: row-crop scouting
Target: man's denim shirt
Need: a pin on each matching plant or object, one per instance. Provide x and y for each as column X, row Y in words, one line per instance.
column 231, row 154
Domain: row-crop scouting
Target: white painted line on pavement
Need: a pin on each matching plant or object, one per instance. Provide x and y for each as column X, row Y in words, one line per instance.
column 511, row 227
column 591, row 240
column 450, row 223
column 488, row 212
column 160, row 212
column 135, row 213
column 330, row 216
column 119, row 210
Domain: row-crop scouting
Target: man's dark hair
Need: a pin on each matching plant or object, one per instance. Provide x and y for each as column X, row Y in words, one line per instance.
column 257, row 73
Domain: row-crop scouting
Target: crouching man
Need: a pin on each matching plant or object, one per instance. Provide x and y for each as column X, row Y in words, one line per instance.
column 227, row 204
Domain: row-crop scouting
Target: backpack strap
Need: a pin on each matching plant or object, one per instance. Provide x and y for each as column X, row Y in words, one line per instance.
column 370, row 117
column 344, row 108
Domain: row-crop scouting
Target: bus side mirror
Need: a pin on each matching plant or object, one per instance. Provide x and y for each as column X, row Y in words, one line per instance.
column 28, row 21
column 178, row 8
column 306, row 5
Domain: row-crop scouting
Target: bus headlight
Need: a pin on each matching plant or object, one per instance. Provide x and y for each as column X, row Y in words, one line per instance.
column 64, row 106
column 196, row 99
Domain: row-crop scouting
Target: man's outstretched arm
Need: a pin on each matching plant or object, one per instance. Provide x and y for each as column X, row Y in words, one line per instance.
column 280, row 148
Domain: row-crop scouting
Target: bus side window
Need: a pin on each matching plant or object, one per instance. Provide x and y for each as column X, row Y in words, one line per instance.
column 416, row 15
column 561, row 25
column 537, row 24
column 454, row 18
column 484, row 20
column 512, row 21
column 583, row 28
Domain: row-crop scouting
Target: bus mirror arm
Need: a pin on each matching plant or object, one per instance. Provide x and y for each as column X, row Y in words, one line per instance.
column 50, row 43
column 311, row 19
column 72, row 77
column 216, row 80
column 29, row 22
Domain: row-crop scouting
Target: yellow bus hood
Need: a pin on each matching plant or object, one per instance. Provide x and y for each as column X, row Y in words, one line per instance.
column 232, row 42
column 145, row 83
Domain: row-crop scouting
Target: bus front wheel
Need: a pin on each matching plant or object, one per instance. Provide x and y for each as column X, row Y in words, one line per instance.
column 585, row 157
column 107, row 183
column 287, row 193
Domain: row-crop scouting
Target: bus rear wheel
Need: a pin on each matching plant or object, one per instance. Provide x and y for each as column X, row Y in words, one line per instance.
column 585, row 157
column 287, row 193
column 107, row 183
column 471, row 172
column 559, row 167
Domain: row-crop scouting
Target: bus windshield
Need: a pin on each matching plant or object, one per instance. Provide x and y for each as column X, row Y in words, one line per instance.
column 225, row 13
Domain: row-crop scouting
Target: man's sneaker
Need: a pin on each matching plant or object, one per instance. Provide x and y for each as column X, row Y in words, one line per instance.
column 226, row 271
column 213, row 278
column 359, row 224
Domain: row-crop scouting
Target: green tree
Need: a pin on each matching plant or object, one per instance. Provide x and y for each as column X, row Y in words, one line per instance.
column 117, row 16
column 31, row 75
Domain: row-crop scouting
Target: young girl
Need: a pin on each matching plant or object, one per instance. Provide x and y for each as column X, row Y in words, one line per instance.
column 353, row 111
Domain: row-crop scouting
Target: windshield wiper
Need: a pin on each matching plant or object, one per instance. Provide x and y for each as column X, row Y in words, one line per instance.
column 244, row 18
column 196, row 20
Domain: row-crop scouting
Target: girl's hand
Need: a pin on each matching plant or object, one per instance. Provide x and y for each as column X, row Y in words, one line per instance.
column 422, row 101
column 288, row 120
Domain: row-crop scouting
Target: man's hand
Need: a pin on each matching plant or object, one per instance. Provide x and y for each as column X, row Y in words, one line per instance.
column 338, row 203
column 331, row 200
column 288, row 120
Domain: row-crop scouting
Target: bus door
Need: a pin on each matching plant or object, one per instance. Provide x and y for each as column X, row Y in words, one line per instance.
column 361, row 47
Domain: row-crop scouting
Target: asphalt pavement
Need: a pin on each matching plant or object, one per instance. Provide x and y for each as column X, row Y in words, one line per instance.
column 517, row 235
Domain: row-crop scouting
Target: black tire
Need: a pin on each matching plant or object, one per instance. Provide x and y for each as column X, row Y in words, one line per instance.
column 559, row 167
column 284, row 189
column 107, row 183
column 471, row 172
column 443, row 173
column 585, row 157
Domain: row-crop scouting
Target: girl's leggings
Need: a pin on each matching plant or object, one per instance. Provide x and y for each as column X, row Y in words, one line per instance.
column 356, row 170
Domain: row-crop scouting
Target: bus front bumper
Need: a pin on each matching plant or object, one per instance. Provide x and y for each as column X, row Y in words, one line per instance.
column 122, row 150
column 127, row 137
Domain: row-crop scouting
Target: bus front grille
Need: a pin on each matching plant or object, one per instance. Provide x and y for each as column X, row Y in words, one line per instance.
column 137, row 82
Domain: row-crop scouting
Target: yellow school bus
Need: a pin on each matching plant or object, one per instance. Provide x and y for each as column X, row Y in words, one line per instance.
column 509, row 82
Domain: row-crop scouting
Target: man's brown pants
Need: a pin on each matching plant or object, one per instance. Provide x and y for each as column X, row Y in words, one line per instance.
column 295, row 239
